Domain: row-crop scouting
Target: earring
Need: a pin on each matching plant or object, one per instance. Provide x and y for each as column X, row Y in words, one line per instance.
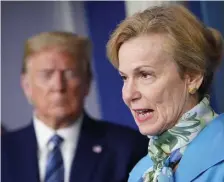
column 192, row 90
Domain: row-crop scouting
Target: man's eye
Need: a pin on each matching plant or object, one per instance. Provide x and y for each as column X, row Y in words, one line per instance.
column 46, row 74
column 70, row 74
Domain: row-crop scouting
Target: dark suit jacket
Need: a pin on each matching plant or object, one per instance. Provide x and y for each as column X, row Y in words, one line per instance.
column 121, row 149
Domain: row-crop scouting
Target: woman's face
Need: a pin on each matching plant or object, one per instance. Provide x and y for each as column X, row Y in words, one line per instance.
column 153, row 88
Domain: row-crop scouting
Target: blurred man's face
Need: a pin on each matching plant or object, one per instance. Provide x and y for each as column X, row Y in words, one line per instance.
column 56, row 85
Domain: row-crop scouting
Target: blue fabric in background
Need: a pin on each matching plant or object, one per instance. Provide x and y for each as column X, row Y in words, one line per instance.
column 102, row 19
column 212, row 14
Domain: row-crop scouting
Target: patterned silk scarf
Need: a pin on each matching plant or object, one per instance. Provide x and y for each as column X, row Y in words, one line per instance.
column 167, row 149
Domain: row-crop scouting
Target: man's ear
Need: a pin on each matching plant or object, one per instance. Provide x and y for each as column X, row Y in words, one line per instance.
column 25, row 84
column 194, row 81
column 88, row 86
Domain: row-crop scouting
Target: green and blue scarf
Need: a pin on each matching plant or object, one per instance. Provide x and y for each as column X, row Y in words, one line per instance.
column 167, row 149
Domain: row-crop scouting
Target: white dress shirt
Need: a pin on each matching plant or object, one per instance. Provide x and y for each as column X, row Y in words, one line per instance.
column 68, row 146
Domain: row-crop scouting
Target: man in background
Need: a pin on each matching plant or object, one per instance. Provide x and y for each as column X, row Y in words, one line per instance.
column 63, row 143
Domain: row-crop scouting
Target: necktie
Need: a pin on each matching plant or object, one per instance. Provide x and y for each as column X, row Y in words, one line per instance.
column 55, row 166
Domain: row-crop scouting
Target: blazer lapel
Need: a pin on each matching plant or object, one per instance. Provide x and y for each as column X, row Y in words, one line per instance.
column 89, row 150
column 26, row 164
column 205, row 151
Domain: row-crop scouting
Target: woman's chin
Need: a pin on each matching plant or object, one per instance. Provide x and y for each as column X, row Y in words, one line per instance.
column 148, row 130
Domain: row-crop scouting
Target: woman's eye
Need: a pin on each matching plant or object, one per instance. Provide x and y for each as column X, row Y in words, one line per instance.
column 145, row 75
column 123, row 77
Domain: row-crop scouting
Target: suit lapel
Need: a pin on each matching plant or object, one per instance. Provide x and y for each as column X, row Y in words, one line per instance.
column 89, row 150
column 204, row 152
column 26, row 165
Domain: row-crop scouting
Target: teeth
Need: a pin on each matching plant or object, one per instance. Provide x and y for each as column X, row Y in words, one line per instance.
column 143, row 115
column 142, row 111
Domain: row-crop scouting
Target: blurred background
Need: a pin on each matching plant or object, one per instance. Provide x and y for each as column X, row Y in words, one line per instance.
column 97, row 20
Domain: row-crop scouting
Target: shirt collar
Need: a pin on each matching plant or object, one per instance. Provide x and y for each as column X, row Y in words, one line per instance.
column 44, row 133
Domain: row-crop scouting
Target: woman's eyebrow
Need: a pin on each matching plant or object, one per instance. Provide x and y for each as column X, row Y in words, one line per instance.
column 137, row 69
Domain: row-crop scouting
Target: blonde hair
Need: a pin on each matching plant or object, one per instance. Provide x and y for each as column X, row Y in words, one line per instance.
column 195, row 48
column 79, row 47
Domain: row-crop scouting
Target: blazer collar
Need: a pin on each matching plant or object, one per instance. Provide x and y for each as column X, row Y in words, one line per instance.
column 26, row 164
column 205, row 151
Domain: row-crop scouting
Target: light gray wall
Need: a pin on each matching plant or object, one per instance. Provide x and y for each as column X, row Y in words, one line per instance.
column 21, row 20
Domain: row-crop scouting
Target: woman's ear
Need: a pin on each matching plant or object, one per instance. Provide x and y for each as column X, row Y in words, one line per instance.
column 194, row 81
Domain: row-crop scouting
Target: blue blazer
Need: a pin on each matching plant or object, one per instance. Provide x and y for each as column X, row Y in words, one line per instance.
column 121, row 149
column 203, row 160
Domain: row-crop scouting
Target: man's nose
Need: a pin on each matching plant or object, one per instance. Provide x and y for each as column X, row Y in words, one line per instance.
column 59, row 82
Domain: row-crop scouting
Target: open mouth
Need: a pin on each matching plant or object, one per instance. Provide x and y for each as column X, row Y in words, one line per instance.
column 143, row 115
